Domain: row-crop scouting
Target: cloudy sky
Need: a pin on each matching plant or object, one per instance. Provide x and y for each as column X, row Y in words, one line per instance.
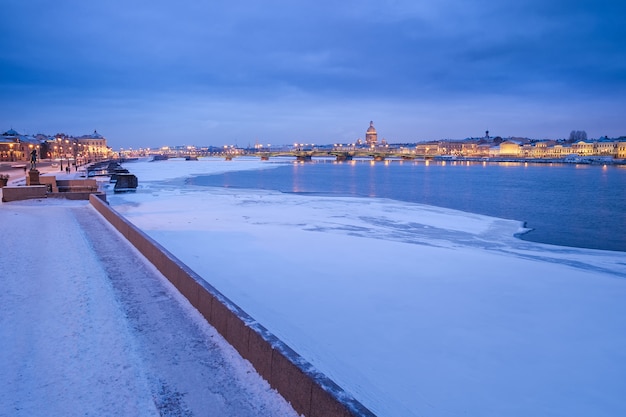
column 212, row 72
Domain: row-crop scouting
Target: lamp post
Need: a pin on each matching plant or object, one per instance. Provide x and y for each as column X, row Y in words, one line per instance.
column 58, row 149
column 77, row 154
column 75, row 149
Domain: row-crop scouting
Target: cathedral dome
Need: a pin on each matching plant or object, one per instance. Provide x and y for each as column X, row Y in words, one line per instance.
column 371, row 137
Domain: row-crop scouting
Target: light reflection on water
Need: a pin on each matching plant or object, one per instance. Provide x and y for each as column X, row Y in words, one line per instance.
column 564, row 204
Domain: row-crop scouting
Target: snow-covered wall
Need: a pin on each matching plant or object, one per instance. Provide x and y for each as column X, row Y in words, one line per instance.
column 23, row 193
column 309, row 391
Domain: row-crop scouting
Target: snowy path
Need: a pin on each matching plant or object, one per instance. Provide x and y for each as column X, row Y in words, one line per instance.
column 88, row 327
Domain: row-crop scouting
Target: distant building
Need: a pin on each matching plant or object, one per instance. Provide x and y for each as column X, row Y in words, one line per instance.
column 371, row 137
column 17, row 147
column 583, row 147
column 605, row 147
column 82, row 149
column 94, row 146
column 621, row 147
column 509, row 148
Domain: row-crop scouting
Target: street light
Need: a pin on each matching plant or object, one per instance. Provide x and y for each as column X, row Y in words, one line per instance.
column 75, row 149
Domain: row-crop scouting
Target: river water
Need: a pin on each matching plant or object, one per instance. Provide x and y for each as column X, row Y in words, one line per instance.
column 563, row 204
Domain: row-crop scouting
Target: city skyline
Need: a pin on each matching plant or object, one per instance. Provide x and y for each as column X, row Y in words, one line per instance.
column 281, row 72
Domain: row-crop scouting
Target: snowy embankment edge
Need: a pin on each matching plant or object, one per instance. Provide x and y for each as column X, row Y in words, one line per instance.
column 309, row 391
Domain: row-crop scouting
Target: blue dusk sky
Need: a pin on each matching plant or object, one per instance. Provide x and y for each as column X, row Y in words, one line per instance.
column 148, row 73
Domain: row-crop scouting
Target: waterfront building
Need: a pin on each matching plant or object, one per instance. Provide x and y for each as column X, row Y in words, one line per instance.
column 482, row 149
column 526, row 149
column 94, row 145
column 450, row 147
column 621, row 147
column 82, row 149
column 509, row 148
column 371, row 136
column 17, row 147
column 558, row 150
column 426, row 149
column 540, row 149
column 583, row 147
column 605, row 147
column 469, row 148
column 515, row 147
column 9, row 143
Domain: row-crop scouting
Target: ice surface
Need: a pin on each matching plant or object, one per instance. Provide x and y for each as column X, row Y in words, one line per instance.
column 415, row 310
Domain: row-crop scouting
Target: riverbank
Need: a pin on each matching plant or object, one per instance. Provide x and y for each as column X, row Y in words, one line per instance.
column 17, row 171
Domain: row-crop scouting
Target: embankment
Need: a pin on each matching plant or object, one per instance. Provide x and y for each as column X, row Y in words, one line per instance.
column 309, row 391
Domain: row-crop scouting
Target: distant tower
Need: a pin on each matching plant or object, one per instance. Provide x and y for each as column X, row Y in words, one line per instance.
column 487, row 134
column 371, row 137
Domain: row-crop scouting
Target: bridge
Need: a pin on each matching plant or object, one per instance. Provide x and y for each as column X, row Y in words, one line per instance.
column 339, row 155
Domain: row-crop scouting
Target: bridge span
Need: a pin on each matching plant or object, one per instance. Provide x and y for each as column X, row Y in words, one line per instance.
column 337, row 154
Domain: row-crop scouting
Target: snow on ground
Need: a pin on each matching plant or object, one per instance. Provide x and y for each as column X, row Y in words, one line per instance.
column 88, row 327
column 415, row 310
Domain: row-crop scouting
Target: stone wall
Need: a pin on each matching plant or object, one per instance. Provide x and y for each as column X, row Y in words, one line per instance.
column 309, row 391
column 23, row 193
column 77, row 186
column 50, row 182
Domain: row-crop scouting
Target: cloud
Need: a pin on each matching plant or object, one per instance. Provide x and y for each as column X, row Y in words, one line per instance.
column 278, row 57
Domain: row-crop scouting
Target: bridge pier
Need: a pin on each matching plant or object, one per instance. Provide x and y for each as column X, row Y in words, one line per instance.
column 344, row 157
column 379, row 158
column 265, row 158
column 303, row 158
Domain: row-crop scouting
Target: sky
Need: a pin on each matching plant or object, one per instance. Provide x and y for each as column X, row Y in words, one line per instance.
column 149, row 73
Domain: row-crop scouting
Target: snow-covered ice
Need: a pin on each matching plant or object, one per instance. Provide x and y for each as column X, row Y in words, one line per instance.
column 415, row 310
column 88, row 327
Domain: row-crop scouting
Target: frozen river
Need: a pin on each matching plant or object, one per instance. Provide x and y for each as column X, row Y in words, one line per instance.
column 413, row 309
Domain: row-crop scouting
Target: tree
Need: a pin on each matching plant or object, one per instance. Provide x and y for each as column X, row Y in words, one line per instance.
column 577, row 135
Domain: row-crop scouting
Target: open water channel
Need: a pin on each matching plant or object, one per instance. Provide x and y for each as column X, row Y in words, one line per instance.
column 564, row 204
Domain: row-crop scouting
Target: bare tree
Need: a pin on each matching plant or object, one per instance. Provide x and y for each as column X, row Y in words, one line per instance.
column 577, row 135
